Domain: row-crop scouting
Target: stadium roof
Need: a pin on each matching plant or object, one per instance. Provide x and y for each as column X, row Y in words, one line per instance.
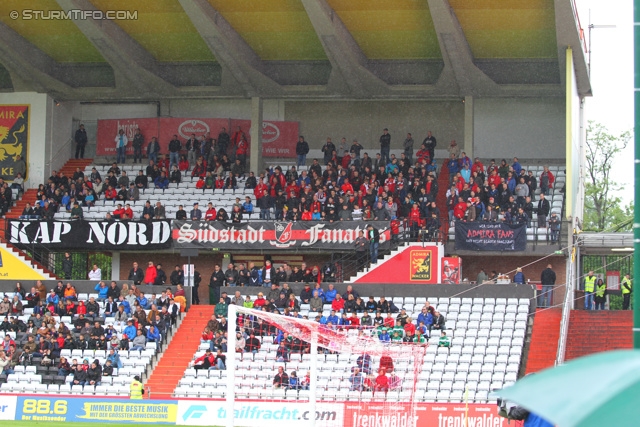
column 296, row 49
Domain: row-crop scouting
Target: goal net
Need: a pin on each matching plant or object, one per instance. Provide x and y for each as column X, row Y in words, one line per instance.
column 344, row 374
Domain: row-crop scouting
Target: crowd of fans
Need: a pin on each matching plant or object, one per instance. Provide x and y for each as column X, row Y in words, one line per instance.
column 375, row 318
column 346, row 184
column 498, row 192
column 137, row 321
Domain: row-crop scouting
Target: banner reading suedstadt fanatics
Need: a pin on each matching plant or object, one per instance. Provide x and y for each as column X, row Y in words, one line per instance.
column 278, row 138
column 274, row 234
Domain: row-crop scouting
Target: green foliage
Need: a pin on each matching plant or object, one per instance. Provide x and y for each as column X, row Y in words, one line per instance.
column 603, row 209
column 82, row 263
column 615, row 302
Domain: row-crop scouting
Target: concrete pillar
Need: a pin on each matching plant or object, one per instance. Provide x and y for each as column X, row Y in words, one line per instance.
column 468, row 126
column 255, row 153
column 115, row 266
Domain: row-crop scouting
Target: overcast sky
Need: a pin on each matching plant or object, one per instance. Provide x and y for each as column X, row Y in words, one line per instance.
column 612, row 75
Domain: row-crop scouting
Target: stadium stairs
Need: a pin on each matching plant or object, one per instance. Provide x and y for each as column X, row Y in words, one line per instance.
column 441, row 199
column 176, row 357
column 595, row 331
column 29, row 196
column 381, row 261
column 544, row 339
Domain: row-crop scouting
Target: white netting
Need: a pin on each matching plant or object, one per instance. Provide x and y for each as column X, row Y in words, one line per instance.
column 354, row 364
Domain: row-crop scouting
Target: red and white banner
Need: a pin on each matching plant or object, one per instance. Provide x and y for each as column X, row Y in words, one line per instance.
column 184, row 128
column 278, row 138
column 451, row 270
column 373, row 414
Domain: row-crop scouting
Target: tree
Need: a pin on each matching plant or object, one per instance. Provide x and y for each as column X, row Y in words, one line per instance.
column 603, row 209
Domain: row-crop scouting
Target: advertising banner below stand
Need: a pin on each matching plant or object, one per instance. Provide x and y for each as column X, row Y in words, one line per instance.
column 248, row 413
column 490, row 236
column 274, row 234
column 40, row 408
column 80, row 234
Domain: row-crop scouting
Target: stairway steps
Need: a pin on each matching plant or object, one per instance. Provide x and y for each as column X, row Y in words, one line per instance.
column 441, row 198
column 544, row 340
column 597, row 331
column 185, row 342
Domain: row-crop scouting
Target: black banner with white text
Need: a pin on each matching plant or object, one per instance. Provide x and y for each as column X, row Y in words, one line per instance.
column 91, row 235
column 274, row 234
column 490, row 236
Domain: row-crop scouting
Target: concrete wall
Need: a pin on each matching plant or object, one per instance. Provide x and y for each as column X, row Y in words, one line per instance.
column 365, row 120
column 376, row 290
column 61, row 146
column 526, row 128
column 273, row 109
column 531, row 267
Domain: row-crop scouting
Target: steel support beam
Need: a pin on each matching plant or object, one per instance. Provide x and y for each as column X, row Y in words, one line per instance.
column 350, row 73
column 459, row 69
column 136, row 70
column 241, row 66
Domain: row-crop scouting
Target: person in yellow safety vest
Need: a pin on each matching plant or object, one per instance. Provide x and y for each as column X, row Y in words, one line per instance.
column 626, row 291
column 600, row 295
column 136, row 389
column 589, row 287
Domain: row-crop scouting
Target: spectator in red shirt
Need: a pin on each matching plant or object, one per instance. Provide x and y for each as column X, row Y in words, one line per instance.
column 211, row 213
column 338, row 303
column 459, row 209
column 382, row 382
column 347, row 188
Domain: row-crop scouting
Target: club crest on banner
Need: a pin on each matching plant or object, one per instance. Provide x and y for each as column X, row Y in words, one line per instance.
column 420, row 265
column 284, row 233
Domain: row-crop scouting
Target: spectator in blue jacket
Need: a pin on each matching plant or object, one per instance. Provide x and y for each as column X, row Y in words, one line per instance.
column 125, row 303
column 130, row 330
column 330, row 294
column 453, row 166
column 114, row 357
column 247, row 206
column 102, row 289
column 144, row 302
column 53, row 297
column 162, row 181
column 333, row 318
column 152, row 334
column 425, row 317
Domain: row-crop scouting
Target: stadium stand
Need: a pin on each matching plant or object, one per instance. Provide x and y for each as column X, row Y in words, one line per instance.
column 34, row 375
column 485, row 354
column 185, row 193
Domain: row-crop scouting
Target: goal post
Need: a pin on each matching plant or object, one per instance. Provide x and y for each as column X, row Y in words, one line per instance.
column 354, row 363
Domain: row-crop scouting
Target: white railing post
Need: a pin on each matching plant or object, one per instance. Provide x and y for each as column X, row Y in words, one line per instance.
column 231, row 363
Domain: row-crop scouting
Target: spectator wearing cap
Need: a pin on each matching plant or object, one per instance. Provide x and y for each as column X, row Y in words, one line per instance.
column 195, row 214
